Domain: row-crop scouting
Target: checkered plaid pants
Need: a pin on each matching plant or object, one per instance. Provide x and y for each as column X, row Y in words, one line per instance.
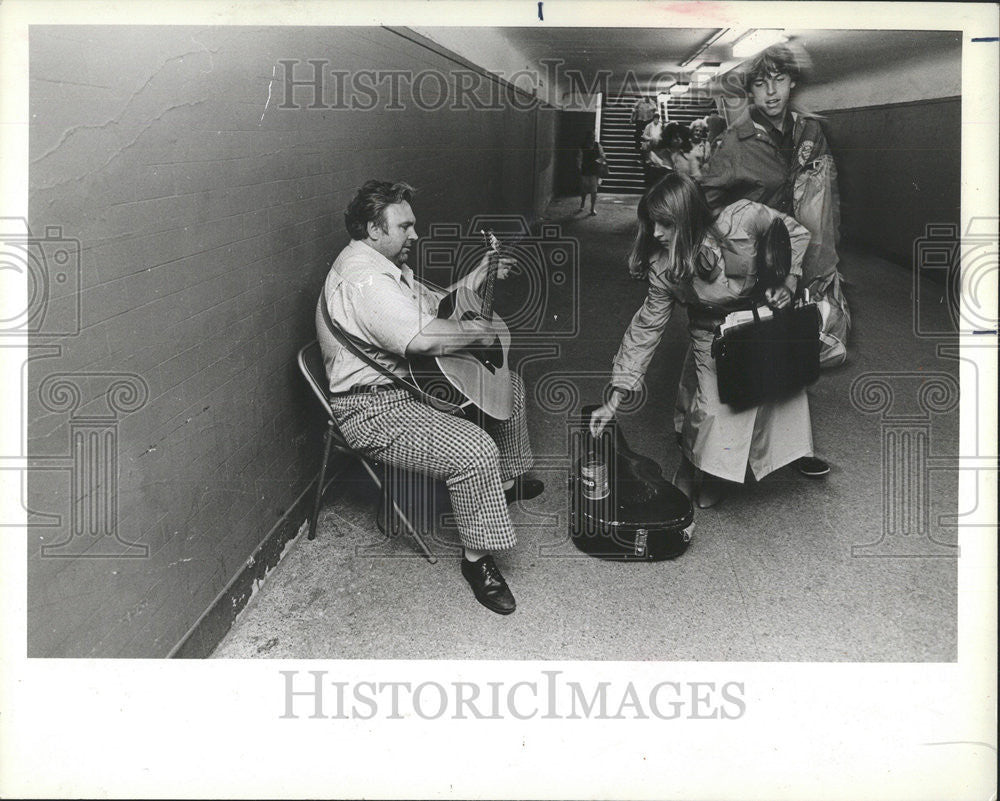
column 396, row 429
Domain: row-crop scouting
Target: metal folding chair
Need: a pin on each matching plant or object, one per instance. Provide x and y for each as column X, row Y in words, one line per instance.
column 311, row 365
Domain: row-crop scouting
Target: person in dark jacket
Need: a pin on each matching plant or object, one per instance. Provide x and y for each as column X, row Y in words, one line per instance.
column 771, row 154
column 765, row 147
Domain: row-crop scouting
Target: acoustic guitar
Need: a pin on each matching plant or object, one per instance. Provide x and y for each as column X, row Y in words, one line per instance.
column 477, row 376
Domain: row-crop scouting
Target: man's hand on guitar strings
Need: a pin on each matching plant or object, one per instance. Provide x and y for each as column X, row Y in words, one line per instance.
column 506, row 265
column 476, row 277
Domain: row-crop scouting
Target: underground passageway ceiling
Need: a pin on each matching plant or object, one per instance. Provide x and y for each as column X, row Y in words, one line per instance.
column 834, row 53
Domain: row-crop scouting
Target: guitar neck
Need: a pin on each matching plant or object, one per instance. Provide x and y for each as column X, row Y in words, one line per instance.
column 493, row 246
column 489, row 285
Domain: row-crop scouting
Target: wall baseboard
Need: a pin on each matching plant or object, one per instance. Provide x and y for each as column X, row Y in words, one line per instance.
column 216, row 621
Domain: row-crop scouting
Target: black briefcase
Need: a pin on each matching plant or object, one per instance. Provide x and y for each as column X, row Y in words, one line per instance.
column 768, row 359
column 627, row 511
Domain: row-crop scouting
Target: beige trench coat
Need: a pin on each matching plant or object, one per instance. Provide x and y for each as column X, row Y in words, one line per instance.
column 715, row 437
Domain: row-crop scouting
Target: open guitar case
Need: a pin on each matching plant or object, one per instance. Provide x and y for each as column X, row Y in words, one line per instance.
column 642, row 518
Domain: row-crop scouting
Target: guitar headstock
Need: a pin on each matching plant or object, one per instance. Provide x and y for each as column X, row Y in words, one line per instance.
column 492, row 243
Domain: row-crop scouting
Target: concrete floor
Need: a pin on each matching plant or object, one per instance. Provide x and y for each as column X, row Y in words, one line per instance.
column 778, row 572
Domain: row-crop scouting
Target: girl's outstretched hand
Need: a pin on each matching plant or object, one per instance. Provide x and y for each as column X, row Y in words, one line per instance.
column 600, row 417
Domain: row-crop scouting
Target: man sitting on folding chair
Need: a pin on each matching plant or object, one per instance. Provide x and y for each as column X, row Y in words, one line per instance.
column 372, row 296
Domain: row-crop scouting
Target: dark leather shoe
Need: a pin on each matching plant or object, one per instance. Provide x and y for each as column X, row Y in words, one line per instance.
column 812, row 467
column 524, row 489
column 488, row 585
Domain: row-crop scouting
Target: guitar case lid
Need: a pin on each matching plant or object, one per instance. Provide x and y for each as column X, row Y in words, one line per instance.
column 645, row 517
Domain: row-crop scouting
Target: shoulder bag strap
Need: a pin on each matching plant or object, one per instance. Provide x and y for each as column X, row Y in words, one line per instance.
column 354, row 346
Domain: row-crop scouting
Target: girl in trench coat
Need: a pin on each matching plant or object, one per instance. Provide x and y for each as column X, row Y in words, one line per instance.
column 705, row 262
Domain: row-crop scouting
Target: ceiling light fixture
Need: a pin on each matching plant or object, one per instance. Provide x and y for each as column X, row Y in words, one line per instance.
column 680, row 88
column 756, row 40
column 720, row 37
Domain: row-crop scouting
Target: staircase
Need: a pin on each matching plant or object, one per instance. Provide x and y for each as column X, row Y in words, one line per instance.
column 624, row 166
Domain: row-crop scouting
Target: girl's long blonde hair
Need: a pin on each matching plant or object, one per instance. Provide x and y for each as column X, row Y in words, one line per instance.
column 676, row 199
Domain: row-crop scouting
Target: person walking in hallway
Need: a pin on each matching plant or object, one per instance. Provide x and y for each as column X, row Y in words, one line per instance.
column 642, row 114
column 590, row 161
column 775, row 155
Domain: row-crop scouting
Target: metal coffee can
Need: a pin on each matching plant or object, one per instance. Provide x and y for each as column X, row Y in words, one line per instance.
column 594, row 477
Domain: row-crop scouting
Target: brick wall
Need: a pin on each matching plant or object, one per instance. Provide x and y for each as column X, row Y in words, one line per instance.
column 171, row 431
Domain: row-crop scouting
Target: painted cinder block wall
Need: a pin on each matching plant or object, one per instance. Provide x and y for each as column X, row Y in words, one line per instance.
column 207, row 216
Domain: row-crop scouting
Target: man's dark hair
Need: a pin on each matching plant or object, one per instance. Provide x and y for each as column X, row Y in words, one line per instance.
column 775, row 60
column 369, row 205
